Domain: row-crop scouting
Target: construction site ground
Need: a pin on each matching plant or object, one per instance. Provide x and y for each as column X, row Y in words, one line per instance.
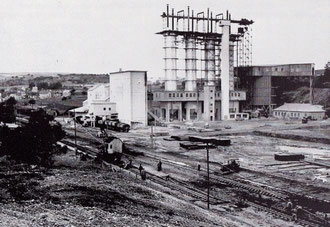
column 83, row 193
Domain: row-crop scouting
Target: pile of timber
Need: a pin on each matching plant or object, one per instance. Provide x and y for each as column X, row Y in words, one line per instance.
column 211, row 140
column 197, row 142
column 194, row 145
column 180, row 138
column 289, row 157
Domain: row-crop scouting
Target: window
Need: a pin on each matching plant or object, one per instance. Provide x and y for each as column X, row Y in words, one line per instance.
column 194, row 94
column 239, row 94
column 211, row 97
column 211, row 104
column 276, row 69
column 281, row 69
column 104, row 108
column 187, row 95
column 232, row 94
column 211, row 90
column 235, row 94
column 169, row 95
column 109, row 108
column 190, row 95
column 211, row 111
column 110, row 146
column 181, row 95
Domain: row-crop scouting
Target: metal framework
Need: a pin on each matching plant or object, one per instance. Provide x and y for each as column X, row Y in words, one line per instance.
column 199, row 34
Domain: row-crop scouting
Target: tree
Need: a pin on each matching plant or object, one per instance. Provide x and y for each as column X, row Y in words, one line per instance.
column 33, row 143
column 73, row 91
column 7, row 110
column 32, row 102
column 31, row 85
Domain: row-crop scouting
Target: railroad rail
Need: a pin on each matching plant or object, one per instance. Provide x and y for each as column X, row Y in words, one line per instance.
column 200, row 195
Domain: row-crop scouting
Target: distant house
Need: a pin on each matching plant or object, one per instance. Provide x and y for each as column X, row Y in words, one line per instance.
column 57, row 93
column 66, row 93
column 115, row 145
column 35, row 89
column 16, row 96
column 298, row 111
column 97, row 103
column 45, row 94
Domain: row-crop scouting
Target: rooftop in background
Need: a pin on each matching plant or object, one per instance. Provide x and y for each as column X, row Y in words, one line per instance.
column 300, row 107
column 125, row 71
column 303, row 69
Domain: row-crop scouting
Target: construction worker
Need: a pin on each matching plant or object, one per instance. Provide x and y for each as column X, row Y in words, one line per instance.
column 199, row 167
column 159, row 165
column 294, row 214
column 289, row 206
column 143, row 174
column 140, row 168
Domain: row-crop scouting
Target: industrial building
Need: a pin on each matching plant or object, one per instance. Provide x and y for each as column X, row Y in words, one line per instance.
column 264, row 85
column 128, row 89
column 125, row 95
column 299, row 111
column 202, row 48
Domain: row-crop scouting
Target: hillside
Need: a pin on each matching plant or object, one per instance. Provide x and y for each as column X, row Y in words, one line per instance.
column 301, row 95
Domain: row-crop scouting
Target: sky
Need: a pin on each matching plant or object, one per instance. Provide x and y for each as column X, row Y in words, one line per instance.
column 101, row 36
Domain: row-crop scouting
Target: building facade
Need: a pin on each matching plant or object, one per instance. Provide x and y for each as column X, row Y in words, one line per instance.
column 299, row 111
column 265, row 84
column 128, row 90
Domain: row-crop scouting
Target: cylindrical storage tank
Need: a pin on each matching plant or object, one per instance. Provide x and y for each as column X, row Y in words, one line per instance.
column 217, row 61
column 231, row 65
column 170, row 48
column 210, row 62
column 191, row 73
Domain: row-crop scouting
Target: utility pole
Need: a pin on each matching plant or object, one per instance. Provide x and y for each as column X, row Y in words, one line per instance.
column 75, row 129
column 208, row 176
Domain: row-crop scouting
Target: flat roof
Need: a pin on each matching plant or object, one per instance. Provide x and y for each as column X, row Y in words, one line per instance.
column 300, row 107
column 132, row 71
column 276, row 65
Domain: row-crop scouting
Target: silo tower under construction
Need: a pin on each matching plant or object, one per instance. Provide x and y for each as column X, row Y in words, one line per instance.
column 200, row 51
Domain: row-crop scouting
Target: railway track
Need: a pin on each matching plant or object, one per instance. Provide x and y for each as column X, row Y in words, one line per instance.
column 171, row 183
column 200, row 195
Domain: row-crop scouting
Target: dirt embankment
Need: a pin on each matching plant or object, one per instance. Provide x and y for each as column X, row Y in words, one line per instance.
column 285, row 135
column 81, row 194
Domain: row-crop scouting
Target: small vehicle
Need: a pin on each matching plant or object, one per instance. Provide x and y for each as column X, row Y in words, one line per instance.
column 100, row 134
column 232, row 165
column 304, row 120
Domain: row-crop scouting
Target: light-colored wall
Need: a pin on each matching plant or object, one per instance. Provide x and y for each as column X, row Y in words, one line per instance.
column 284, row 70
column 128, row 90
column 139, row 97
column 101, row 92
column 98, row 108
column 296, row 114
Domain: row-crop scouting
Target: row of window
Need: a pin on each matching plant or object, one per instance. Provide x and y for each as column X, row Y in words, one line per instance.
column 239, row 115
column 104, row 108
column 292, row 114
column 180, row 95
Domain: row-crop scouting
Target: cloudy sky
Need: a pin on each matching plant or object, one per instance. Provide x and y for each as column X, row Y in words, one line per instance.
column 101, row 36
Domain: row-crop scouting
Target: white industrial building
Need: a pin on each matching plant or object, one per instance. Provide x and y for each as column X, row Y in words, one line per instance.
column 299, row 111
column 126, row 94
column 97, row 102
column 128, row 89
